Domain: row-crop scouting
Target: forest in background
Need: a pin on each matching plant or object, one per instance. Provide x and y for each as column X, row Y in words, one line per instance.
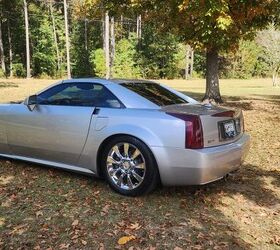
column 153, row 54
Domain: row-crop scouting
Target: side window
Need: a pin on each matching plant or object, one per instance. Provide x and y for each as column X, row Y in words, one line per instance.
column 79, row 94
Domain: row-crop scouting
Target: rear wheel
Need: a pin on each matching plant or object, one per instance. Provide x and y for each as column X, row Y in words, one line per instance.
column 129, row 166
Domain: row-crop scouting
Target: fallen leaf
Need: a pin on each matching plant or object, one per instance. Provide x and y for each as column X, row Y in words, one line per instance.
column 123, row 240
column 96, row 193
column 75, row 223
column 105, row 210
column 2, row 221
column 19, row 230
column 6, row 180
column 84, row 242
column 64, row 246
column 39, row 213
column 134, row 226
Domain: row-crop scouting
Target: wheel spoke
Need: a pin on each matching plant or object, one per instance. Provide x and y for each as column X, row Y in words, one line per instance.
column 125, row 148
column 112, row 172
column 117, row 152
column 120, row 180
column 111, row 160
column 129, row 182
column 135, row 154
column 137, row 176
column 140, row 166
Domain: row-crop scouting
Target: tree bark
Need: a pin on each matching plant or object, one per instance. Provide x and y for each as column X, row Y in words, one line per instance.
column 28, row 71
column 10, row 49
column 274, row 79
column 107, row 45
column 2, row 55
column 187, row 65
column 212, row 93
column 67, row 39
column 86, row 34
column 55, row 37
column 112, row 40
column 192, row 61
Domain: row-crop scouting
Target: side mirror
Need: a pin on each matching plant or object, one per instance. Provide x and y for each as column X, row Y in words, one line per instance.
column 31, row 102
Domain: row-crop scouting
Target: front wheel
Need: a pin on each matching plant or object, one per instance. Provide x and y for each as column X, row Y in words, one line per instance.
column 129, row 166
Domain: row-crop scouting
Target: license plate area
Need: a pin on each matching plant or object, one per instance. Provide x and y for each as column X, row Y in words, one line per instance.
column 228, row 129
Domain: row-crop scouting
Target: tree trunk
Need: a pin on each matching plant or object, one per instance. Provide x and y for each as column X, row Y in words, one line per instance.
column 192, row 61
column 86, row 35
column 55, row 37
column 67, row 39
column 112, row 40
column 107, row 45
column 212, row 77
column 28, row 71
column 139, row 27
column 274, row 79
column 3, row 67
column 10, row 49
column 275, row 75
column 187, row 65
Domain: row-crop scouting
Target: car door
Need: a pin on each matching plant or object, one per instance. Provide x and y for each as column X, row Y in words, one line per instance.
column 56, row 130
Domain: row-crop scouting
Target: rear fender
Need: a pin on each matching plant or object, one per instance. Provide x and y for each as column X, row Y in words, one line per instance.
column 95, row 139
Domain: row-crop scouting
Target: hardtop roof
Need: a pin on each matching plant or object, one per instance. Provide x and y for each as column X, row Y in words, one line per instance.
column 107, row 81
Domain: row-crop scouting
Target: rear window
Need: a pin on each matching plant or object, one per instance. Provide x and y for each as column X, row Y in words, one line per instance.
column 155, row 93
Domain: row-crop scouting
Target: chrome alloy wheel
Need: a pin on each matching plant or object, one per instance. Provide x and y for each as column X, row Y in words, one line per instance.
column 126, row 166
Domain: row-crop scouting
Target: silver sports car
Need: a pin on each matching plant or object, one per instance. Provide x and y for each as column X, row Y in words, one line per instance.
column 136, row 134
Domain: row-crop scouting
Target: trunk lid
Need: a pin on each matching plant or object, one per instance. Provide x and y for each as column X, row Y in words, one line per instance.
column 220, row 125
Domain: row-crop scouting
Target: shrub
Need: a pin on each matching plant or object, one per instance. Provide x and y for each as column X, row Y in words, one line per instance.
column 2, row 74
column 125, row 64
column 19, row 70
column 97, row 59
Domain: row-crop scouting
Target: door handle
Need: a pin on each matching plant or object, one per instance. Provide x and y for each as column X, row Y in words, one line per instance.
column 96, row 111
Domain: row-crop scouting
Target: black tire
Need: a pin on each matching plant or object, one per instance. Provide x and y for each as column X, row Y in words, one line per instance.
column 151, row 177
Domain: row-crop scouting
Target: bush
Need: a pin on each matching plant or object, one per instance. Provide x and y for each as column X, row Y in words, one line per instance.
column 97, row 59
column 19, row 70
column 125, row 65
column 242, row 63
column 160, row 55
column 2, row 74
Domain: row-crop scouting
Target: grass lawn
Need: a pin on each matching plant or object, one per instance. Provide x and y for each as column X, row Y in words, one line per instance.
column 45, row 208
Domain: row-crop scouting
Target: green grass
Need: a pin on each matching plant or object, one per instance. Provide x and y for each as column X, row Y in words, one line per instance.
column 38, row 205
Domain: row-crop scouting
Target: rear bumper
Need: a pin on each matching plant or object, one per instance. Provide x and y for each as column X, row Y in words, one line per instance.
column 196, row 167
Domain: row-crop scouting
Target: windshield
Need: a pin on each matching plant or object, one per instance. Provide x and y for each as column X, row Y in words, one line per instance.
column 155, row 93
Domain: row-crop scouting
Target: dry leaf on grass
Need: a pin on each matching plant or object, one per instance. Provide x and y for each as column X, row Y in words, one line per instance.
column 123, row 240
column 84, row 242
column 2, row 221
column 105, row 210
column 75, row 223
column 64, row 246
column 134, row 226
column 39, row 213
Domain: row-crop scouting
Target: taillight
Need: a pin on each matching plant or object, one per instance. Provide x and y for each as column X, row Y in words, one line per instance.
column 194, row 132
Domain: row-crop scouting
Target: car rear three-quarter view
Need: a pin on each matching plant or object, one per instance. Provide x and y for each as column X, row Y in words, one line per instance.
column 136, row 134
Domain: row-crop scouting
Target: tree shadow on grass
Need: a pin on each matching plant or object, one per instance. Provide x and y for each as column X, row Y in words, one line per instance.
column 8, row 85
column 242, row 102
column 169, row 217
column 249, row 181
